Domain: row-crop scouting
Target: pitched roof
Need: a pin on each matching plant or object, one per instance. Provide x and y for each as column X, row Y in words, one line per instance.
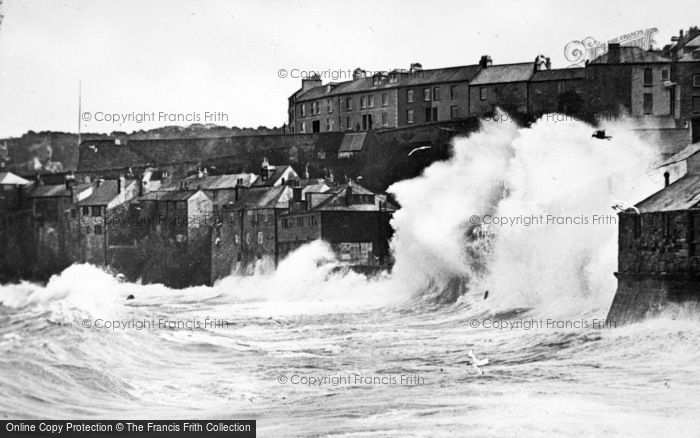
column 352, row 142
column 102, row 194
column 560, row 74
column 264, row 197
column 404, row 79
column 211, row 182
column 171, row 195
column 497, row 74
column 337, row 201
column 631, row 55
column 683, row 194
column 277, row 173
column 10, row 179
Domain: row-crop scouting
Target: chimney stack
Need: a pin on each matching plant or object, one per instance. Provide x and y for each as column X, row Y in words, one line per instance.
column 485, row 61
column 70, row 180
column 348, row 196
column 667, row 179
column 614, row 53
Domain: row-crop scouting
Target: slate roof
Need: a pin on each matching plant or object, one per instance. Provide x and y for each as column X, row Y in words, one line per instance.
column 172, row 195
column 277, row 173
column 497, row 74
column 422, row 77
column 560, row 74
column 212, row 182
column 336, row 202
column 264, row 197
column 102, row 195
column 683, row 194
column 10, row 179
column 632, row 55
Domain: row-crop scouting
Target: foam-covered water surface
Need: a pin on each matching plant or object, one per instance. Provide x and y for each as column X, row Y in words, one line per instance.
column 277, row 347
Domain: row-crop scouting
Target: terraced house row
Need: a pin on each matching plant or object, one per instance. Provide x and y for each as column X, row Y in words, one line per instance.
column 626, row 80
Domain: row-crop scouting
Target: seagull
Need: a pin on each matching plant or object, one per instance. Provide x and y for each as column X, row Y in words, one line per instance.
column 486, row 294
column 418, row 149
column 476, row 362
column 601, row 135
column 624, row 206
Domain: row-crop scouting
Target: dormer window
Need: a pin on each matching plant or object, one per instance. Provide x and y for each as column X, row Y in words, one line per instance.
column 696, row 54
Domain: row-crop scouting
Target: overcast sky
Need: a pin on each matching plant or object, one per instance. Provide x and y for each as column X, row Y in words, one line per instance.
column 196, row 56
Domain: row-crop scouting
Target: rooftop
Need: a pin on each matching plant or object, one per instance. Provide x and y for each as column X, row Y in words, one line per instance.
column 102, row 194
column 496, row 74
column 560, row 74
column 404, row 79
column 683, row 194
column 631, row 55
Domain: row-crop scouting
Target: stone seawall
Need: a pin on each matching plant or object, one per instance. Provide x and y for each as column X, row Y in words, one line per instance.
column 643, row 296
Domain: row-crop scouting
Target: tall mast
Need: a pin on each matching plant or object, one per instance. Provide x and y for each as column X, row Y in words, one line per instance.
column 80, row 109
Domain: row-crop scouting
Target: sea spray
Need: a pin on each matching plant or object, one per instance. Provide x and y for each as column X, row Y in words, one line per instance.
column 551, row 185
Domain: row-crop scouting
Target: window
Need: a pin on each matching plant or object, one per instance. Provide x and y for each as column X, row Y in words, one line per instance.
column 696, row 54
column 300, row 222
column 348, row 123
column 482, row 93
column 385, row 119
column 409, row 116
column 321, row 155
column 316, row 108
column 247, row 238
column 409, row 95
column 436, row 93
column 431, row 114
column 453, row 92
column 363, row 102
column 696, row 104
column 314, row 221
column 303, row 110
column 348, row 104
column 260, row 237
column 454, row 112
column 370, row 101
column 237, row 239
column 302, row 128
column 426, row 94
column 648, row 103
column 328, row 124
column 329, row 107
column 385, row 99
column 249, row 212
column 648, row 77
column 96, row 211
column 664, row 74
column 86, row 211
column 696, row 80
column 98, row 230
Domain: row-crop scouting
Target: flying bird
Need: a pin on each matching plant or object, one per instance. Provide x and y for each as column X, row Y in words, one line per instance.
column 418, row 149
column 476, row 362
column 624, row 206
column 601, row 135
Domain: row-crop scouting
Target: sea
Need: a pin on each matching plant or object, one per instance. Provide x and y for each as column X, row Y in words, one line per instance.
column 492, row 322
